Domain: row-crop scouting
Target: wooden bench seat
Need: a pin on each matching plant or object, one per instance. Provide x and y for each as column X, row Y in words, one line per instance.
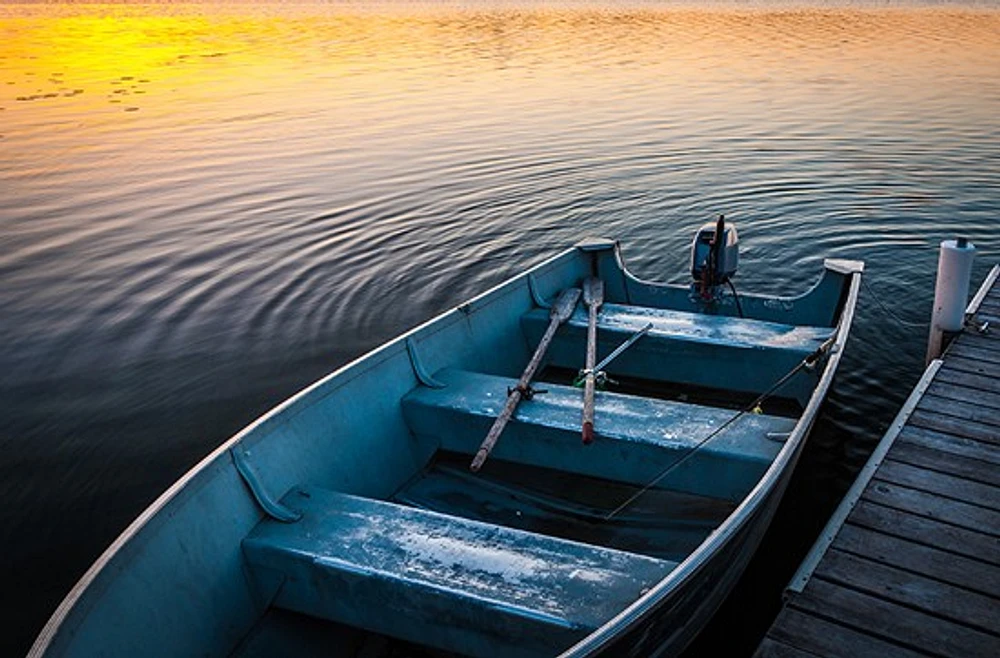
column 706, row 350
column 636, row 437
column 460, row 585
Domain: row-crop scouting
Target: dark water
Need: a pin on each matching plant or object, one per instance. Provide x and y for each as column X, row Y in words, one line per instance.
column 206, row 207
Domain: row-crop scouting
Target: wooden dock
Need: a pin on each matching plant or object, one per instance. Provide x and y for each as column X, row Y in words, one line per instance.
column 909, row 564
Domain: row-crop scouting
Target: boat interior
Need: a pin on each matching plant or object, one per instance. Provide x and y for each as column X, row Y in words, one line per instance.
column 551, row 538
column 347, row 521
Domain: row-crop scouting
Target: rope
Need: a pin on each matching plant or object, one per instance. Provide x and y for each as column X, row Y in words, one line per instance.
column 807, row 361
column 599, row 368
column 739, row 307
column 917, row 325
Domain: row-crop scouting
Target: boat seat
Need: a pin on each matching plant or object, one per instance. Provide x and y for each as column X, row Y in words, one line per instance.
column 474, row 588
column 636, row 438
column 692, row 348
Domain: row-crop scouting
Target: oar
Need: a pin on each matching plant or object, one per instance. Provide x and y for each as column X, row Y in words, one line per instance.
column 559, row 313
column 593, row 297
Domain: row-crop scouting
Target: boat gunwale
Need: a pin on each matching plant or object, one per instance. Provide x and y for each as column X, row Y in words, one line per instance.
column 642, row 608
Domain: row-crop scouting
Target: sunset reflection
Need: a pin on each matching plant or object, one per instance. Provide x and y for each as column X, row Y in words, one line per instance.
column 333, row 55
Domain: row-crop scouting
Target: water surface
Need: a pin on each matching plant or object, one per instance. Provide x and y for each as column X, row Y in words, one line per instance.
column 206, row 207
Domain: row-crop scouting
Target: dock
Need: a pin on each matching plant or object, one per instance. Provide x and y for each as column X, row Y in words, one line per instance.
column 909, row 564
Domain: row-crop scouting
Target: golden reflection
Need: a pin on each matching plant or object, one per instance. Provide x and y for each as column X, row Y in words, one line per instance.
column 194, row 60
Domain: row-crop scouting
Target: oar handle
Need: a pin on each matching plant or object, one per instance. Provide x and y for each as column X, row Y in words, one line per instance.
column 494, row 434
column 560, row 312
column 593, row 297
column 588, row 409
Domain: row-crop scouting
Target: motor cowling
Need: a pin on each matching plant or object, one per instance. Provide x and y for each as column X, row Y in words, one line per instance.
column 715, row 253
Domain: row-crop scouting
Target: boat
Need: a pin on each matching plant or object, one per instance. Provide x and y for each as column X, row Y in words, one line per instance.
column 442, row 495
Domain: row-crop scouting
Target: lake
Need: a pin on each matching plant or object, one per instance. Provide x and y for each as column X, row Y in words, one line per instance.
column 206, row 207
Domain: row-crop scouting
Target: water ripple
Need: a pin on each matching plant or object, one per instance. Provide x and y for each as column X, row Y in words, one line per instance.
column 298, row 183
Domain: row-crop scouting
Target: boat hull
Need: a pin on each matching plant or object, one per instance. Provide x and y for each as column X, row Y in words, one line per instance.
column 175, row 583
column 674, row 621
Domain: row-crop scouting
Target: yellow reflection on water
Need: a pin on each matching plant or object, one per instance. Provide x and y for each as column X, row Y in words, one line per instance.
column 114, row 54
column 86, row 64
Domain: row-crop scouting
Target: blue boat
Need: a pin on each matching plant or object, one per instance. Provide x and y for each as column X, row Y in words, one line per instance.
column 481, row 486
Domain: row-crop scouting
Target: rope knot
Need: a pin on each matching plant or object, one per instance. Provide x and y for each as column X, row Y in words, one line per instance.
column 527, row 392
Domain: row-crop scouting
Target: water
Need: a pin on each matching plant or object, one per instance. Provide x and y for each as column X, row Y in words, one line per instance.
column 206, row 207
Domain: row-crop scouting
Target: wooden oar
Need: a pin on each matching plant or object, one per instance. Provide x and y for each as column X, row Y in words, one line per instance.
column 593, row 297
column 560, row 312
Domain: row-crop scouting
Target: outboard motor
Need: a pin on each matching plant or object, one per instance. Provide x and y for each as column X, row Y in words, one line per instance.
column 715, row 255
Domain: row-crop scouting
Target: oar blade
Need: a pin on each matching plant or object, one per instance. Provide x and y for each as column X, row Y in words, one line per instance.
column 565, row 303
column 593, row 291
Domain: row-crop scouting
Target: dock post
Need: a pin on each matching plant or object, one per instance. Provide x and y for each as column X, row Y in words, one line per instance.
column 951, row 292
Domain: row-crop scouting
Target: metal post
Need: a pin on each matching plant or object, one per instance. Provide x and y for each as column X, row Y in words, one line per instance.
column 951, row 292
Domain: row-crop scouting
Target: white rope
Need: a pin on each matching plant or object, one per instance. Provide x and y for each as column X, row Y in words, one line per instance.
column 917, row 325
column 808, row 361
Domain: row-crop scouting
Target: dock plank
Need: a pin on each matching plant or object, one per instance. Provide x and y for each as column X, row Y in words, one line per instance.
column 972, row 365
column 976, row 349
column 927, row 531
column 967, row 411
column 949, row 444
column 891, row 622
column 954, row 425
column 962, row 393
column 941, row 483
column 989, row 310
column 989, row 314
column 988, row 340
column 918, row 558
column 927, row 504
column 825, row 638
column 912, row 590
column 968, row 380
column 944, row 461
